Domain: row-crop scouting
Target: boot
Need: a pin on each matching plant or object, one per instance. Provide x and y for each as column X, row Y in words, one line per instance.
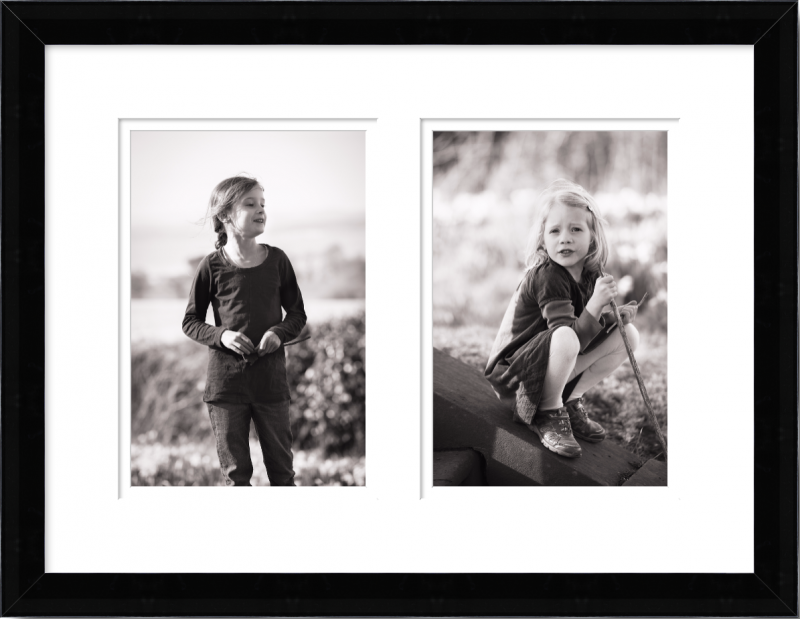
column 583, row 427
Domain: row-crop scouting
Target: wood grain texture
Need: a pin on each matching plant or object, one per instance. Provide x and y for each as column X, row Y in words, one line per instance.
column 457, row 467
column 653, row 473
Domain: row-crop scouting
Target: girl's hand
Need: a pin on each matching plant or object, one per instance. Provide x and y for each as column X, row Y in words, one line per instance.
column 628, row 312
column 237, row 342
column 605, row 289
column 269, row 343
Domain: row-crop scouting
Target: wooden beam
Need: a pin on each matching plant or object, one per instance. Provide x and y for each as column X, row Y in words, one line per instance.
column 467, row 414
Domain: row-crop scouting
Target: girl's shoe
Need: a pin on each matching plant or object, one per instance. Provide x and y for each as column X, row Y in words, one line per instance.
column 583, row 427
column 554, row 430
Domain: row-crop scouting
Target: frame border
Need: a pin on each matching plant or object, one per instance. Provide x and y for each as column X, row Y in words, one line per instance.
column 771, row 27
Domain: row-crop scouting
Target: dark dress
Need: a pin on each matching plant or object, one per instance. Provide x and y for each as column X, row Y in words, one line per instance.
column 547, row 298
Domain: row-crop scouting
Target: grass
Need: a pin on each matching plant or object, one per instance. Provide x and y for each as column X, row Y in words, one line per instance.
column 616, row 403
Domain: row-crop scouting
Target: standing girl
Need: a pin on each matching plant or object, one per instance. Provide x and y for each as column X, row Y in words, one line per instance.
column 556, row 341
column 247, row 284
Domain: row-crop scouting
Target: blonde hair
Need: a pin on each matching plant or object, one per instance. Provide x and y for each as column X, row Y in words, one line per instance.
column 565, row 192
column 223, row 197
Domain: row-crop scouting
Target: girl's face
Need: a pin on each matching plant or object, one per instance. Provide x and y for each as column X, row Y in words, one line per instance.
column 567, row 237
column 247, row 216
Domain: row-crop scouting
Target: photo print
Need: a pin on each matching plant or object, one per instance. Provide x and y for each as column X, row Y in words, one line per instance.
column 543, row 241
column 247, row 308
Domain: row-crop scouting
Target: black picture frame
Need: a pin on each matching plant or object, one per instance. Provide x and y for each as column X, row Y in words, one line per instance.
column 771, row 27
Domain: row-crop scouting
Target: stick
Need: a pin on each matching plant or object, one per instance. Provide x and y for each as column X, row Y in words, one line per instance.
column 298, row 340
column 292, row 343
column 636, row 371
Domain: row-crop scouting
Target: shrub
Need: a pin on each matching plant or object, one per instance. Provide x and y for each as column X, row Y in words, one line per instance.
column 167, row 383
column 326, row 380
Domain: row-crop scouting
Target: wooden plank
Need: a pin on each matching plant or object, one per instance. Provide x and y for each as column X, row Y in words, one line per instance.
column 466, row 413
column 458, row 467
column 653, row 473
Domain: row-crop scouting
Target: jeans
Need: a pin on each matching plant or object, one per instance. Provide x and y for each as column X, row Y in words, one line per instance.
column 231, row 424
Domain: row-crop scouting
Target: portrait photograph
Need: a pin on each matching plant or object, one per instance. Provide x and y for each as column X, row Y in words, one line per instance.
column 542, row 242
column 247, row 308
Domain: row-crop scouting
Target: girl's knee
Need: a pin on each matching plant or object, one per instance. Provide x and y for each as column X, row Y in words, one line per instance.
column 565, row 341
column 633, row 335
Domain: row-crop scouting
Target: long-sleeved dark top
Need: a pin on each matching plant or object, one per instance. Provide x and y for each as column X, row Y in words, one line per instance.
column 249, row 301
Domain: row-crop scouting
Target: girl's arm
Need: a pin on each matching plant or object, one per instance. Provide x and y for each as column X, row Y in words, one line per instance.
column 550, row 290
column 562, row 313
column 292, row 302
column 194, row 320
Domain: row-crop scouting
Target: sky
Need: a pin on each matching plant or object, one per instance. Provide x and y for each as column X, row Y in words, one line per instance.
column 314, row 185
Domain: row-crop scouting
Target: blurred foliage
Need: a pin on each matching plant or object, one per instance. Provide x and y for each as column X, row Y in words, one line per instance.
column 139, row 284
column 478, row 161
column 485, row 191
column 326, row 380
column 195, row 464
column 167, row 383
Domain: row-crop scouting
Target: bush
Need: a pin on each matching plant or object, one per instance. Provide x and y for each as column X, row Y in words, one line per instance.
column 326, row 380
column 167, row 383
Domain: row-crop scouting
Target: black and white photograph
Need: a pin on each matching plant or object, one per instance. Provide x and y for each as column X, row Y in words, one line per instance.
column 544, row 243
column 247, row 285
